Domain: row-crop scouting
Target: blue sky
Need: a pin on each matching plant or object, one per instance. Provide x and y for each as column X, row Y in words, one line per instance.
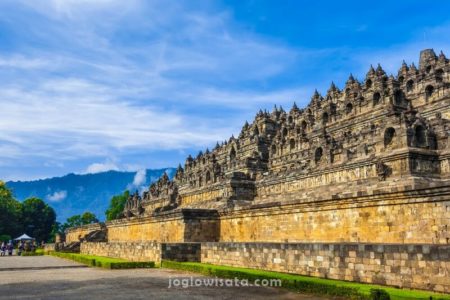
column 93, row 85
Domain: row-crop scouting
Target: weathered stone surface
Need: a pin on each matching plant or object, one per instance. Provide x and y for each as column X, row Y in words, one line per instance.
column 133, row 251
column 409, row 266
column 181, row 252
column 369, row 164
column 76, row 234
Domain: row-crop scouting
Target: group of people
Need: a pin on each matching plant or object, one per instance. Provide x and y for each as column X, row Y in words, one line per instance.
column 6, row 248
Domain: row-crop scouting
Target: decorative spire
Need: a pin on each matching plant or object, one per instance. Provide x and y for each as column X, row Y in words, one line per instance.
column 294, row 107
column 404, row 69
column 371, row 71
column 217, row 145
column 380, row 70
column 207, row 151
column 316, row 97
column 316, row 94
column 351, row 79
column 442, row 57
column 413, row 68
column 332, row 89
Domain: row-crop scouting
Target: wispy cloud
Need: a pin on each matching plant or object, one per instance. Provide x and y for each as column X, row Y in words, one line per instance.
column 139, row 181
column 101, row 167
column 57, row 196
column 101, row 91
column 91, row 80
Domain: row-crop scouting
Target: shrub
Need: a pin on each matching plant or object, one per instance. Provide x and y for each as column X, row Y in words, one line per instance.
column 379, row 294
column 31, row 253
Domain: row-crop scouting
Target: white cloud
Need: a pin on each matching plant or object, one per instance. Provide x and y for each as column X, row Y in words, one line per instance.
column 99, row 78
column 57, row 196
column 140, row 178
column 22, row 62
column 107, row 98
column 102, row 167
column 139, row 181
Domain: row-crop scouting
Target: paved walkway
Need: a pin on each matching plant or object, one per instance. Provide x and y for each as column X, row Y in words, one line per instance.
column 45, row 277
column 13, row 263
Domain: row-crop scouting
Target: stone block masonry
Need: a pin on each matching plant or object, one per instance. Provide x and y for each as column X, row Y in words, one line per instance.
column 132, row 251
column 74, row 234
column 144, row 251
column 354, row 186
column 181, row 252
column 425, row 267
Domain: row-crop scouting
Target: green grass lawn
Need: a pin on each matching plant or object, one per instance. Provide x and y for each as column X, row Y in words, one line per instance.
column 37, row 252
column 103, row 262
column 305, row 283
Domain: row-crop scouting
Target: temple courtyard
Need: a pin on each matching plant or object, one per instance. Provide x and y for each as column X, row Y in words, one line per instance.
column 46, row 277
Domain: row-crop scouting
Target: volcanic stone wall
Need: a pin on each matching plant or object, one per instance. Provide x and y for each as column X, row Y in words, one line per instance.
column 419, row 216
column 132, row 251
column 407, row 266
column 368, row 164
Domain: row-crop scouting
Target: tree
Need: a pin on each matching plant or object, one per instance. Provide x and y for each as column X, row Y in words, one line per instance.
column 116, row 206
column 38, row 218
column 10, row 213
column 74, row 221
column 78, row 220
column 88, row 218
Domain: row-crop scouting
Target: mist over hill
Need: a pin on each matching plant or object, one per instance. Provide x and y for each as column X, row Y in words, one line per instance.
column 74, row 193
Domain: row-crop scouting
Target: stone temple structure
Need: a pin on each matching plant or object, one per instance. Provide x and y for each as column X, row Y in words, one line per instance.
column 354, row 186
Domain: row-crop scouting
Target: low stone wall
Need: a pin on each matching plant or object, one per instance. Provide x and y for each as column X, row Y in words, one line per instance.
column 408, row 266
column 424, row 267
column 133, row 251
column 181, row 251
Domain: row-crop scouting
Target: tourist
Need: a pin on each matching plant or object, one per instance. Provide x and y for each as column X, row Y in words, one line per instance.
column 3, row 249
column 10, row 248
column 20, row 248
